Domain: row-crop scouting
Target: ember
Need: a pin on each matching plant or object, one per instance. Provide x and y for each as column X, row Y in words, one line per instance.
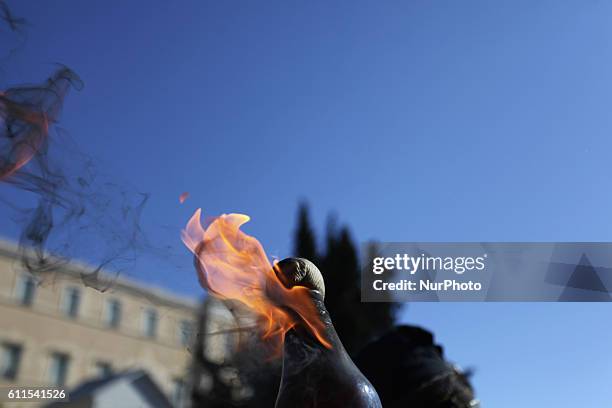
column 183, row 197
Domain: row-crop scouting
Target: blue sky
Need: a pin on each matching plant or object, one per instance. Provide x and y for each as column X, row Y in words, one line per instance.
column 413, row 121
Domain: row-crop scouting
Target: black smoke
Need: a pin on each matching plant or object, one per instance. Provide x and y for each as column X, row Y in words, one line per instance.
column 13, row 22
column 78, row 212
column 66, row 208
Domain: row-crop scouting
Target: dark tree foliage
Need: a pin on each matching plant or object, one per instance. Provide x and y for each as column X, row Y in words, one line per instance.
column 357, row 323
column 304, row 243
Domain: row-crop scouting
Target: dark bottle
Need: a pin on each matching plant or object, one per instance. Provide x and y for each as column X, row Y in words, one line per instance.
column 316, row 376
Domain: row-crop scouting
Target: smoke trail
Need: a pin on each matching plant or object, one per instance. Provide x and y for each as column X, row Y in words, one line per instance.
column 64, row 204
column 78, row 213
column 13, row 33
column 25, row 116
column 14, row 23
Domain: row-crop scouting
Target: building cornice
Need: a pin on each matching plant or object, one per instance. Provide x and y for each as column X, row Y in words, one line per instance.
column 76, row 269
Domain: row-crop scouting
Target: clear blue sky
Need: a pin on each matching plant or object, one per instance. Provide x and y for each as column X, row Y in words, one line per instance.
column 414, row 121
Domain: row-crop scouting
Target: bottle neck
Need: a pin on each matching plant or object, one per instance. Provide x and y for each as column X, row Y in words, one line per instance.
column 313, row 372
column 303, row 353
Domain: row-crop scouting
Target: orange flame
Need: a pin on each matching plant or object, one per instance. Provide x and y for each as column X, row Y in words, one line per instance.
column 29, row 142
column 233, row 265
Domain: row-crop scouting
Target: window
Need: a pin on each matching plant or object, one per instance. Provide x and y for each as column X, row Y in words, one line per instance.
column 59, row 369
column 72, row 299
column 103, row 369
column 178, row 392
column 11, row 357
column 26, row 289
column 150, row 323
column 113, row 313
column 185, row 332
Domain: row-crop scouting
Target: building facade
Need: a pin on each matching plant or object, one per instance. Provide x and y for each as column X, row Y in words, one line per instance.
column 61, row 332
